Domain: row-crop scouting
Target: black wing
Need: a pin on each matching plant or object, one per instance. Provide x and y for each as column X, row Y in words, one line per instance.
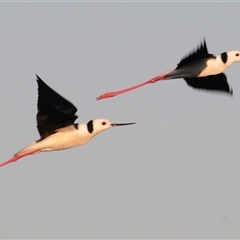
column 200, row 53
column 54, row 111
column 214, row 82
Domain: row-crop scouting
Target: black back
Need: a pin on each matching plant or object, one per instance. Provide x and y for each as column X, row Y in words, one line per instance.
column 200, row 53
column 214, row 82
column 54, row 111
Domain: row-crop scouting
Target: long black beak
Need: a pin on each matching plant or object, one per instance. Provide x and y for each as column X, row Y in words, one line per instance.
column 121, row 124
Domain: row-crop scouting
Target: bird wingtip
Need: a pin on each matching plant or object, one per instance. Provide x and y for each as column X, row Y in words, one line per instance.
column 38, row 78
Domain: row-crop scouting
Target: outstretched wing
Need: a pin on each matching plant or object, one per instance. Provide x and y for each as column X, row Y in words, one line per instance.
column 214, row 82
column 54, row 111
column 200, row 53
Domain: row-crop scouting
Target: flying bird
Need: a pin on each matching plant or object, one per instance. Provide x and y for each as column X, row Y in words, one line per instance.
column 200, row 70
column 55, row 124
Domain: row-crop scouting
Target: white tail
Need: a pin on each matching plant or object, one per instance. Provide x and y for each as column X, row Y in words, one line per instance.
column 29, row 148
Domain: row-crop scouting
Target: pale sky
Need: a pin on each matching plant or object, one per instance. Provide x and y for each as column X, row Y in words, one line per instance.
column 175, row 174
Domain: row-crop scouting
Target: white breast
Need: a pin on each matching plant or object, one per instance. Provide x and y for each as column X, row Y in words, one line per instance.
column 65, row 138
column 214, row 66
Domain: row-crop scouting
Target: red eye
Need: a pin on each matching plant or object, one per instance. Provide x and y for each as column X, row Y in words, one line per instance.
column 103, row 123
column 237, row 54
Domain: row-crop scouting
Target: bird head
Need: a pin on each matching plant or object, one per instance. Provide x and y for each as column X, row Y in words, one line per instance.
column 98, row 125
column 233, row 56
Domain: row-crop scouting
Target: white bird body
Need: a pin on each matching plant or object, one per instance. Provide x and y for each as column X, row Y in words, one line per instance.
column 200, row 69
column 64, row 138
column 197, row 68
column 214, row 66
column 67, row 137
column 56, row 125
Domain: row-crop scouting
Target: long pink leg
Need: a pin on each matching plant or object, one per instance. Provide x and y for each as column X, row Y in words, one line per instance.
column 15, row 158
column 113, row 94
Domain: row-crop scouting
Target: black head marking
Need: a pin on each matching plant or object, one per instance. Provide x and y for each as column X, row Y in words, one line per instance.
column 76, row 126
column 224, row 57
column 54, row 111
column 90, row 126
column 200, row 53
